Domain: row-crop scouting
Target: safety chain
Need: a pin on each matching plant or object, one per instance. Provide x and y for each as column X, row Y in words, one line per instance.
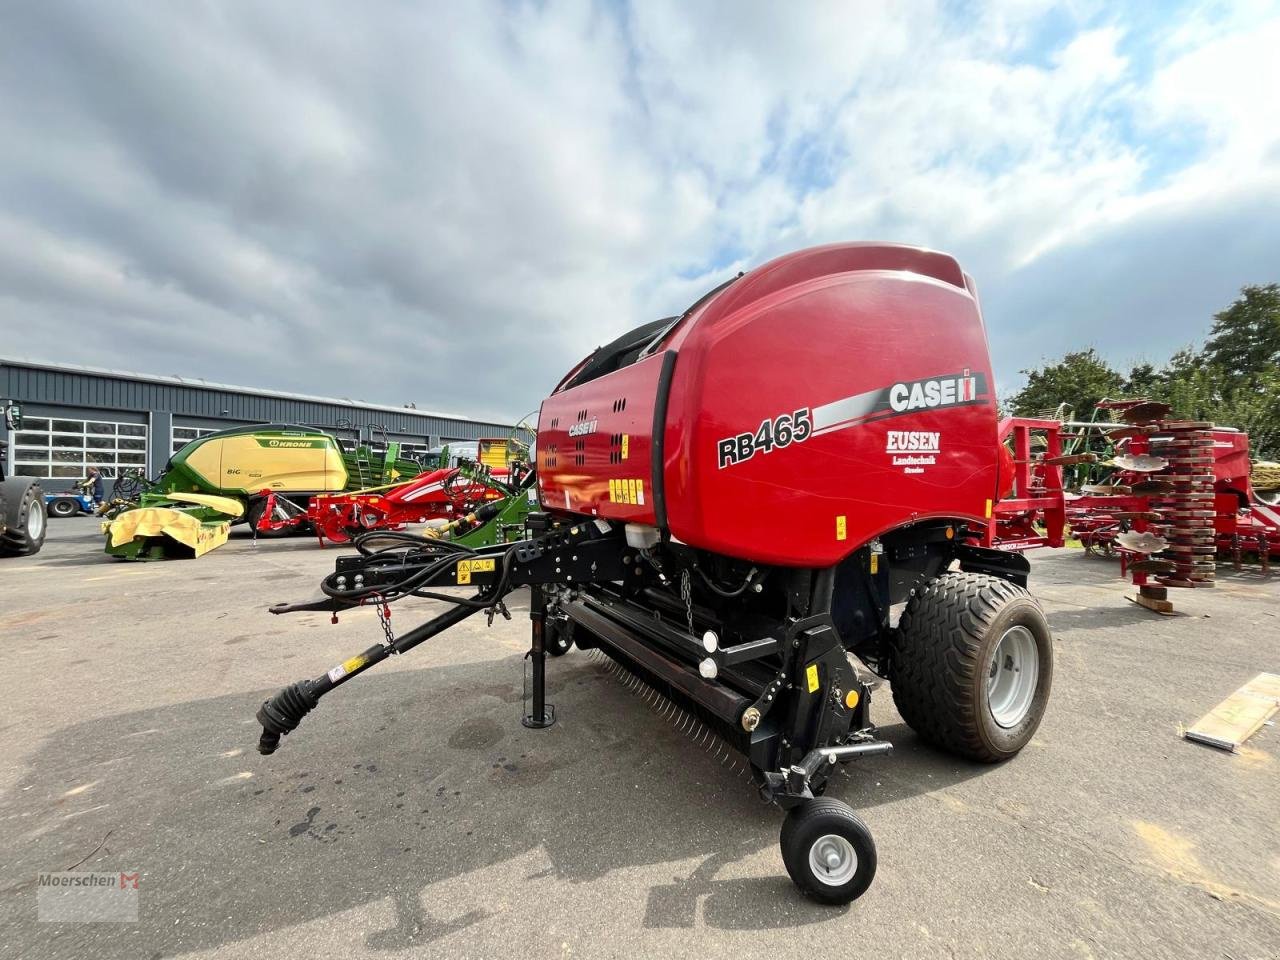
column 384, row 617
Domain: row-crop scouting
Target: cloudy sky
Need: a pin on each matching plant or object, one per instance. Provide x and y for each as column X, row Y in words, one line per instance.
column 452, row 203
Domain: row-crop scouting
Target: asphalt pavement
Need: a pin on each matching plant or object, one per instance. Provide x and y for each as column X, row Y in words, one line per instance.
column 412, row 814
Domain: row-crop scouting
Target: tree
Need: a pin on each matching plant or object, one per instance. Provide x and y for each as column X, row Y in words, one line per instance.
column 1144, row 380
column 1079, row 380
column 1244, row 342
column 1233, row 381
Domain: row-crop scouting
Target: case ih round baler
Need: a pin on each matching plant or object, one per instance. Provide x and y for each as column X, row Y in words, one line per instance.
column 757, row 507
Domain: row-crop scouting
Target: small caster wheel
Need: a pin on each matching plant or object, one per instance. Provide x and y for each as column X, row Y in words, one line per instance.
column 828, row 851
column 557, row 636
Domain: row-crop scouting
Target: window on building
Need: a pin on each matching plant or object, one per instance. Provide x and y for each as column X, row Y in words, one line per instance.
column 414, row 451
column 184, row 435
column 54, row 447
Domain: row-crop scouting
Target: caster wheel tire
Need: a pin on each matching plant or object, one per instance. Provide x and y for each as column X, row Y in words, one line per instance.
column 557, row 637
column 828, row 851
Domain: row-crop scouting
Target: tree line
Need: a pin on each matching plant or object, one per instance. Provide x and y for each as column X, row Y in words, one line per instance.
column 1233, row 379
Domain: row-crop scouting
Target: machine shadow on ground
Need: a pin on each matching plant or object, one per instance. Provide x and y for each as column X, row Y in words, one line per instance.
column 407, row 780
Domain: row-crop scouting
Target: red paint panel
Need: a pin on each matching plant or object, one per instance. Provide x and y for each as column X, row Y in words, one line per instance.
column 831, row 340
column 880, row 349
column 580, row 447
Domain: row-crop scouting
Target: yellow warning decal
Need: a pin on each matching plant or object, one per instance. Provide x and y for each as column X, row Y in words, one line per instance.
column 988, row 513
column 811, row 676
column 875, row 563
column 626, row 490
column 626, row 443
column 468, row 567
column 842, row 528
column 346, row 668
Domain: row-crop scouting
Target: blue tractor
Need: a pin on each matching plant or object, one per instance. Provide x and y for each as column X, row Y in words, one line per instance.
column 69, row 503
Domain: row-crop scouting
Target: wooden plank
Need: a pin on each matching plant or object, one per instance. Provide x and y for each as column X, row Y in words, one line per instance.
column 1238, row 717
column 1159, row 606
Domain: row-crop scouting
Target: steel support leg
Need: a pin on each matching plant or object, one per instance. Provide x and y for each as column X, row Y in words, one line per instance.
column 540, row 715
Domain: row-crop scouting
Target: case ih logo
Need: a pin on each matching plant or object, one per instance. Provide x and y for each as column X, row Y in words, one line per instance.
column 582, row 429
column 904, row 397
column 924, row 394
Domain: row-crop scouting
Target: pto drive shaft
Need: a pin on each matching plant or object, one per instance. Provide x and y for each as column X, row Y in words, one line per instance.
column 283, row 712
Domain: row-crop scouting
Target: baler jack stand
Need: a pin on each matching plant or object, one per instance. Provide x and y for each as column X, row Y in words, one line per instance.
column 543, row 714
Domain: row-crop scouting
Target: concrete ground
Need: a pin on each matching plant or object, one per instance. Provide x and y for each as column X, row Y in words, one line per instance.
column 413, row 815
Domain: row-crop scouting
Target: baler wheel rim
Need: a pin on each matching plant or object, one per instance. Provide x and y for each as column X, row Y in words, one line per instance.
column 1012, row 678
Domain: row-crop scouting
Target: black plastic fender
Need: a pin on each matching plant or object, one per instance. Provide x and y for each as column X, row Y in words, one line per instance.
column 1013, row 567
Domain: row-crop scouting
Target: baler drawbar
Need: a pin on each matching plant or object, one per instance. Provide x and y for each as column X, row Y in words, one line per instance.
column 758, row 508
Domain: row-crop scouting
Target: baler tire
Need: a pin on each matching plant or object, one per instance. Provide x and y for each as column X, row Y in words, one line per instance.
column 943, row 654
column 815, row 822
column 25, row 519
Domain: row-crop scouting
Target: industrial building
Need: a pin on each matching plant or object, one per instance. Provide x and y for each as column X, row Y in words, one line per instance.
column 75, row 416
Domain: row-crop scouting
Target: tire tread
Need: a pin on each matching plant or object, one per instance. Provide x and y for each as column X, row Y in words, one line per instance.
column 795, row 855
column 935, row 657
column 13, row 540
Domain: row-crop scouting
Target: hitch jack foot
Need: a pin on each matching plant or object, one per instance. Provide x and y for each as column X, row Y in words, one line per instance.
column 533, row 722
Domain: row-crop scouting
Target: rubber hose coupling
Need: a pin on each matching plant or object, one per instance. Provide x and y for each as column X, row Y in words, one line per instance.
column 283, row 712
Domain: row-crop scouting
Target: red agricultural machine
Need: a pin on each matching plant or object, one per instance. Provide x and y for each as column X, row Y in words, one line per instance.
column 1176, row 495
column 446, row 493
column 757, row 508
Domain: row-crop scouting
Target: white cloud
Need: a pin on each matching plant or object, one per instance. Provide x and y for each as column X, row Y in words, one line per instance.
column 452, row 205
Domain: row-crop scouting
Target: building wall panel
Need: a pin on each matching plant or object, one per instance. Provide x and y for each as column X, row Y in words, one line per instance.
column 88, row 392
